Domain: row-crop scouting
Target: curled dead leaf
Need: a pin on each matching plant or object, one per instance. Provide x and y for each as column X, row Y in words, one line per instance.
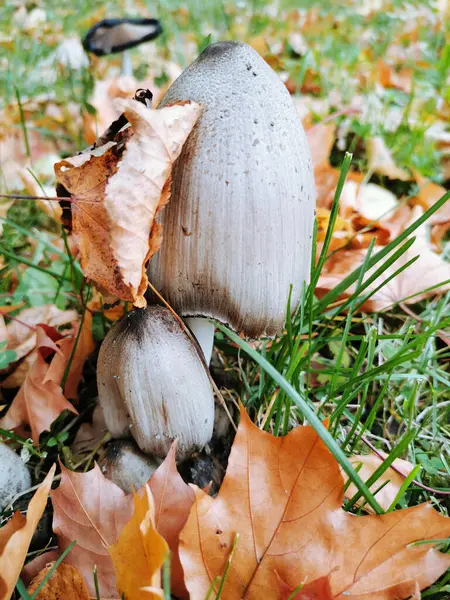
column 40, row 400
column 117, row 190
column 15, row 537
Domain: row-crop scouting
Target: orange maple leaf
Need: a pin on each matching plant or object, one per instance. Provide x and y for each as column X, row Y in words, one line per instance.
column 283, row 496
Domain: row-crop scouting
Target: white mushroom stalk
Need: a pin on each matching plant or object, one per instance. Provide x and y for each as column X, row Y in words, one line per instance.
column 238, row 228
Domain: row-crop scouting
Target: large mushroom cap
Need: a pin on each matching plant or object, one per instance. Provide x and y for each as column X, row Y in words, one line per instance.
column 238, row 228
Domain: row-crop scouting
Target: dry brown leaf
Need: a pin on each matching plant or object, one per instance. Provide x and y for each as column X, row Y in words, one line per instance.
column 15, row 537
column 84, row 347
column 283, row 496
column 367, row 465
column 92, row 510
column 117, row 190
column 429, row 193
column 381, row 161
column 173, row 501
column 33, row 568
column 139, row 553
column 427, row 271
column 40, row 400
column 318, row 590
column 391, row 78
column 320, row 140
column 21, row 331
column 369, row 201
column 66, row 583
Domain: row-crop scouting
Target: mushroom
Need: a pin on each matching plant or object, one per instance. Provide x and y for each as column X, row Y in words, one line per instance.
column 125, row 465
column 118, row 35
column 238, row 227
column 153, row 384
column 14, row 475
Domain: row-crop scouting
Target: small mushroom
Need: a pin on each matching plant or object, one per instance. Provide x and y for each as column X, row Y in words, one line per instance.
column 118, row 35
column 125, row 465
column 153, row 384
column 14, row 475
column 238, row 227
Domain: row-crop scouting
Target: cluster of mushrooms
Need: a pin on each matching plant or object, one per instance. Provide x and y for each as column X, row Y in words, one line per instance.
column 237, row 235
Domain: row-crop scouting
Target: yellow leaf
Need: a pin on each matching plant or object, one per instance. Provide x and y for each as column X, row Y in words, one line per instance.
column 140, row 552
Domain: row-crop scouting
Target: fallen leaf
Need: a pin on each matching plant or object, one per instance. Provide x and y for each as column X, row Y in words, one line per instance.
column 367, row 465
column 369, row 201
column 66, row 583
column 140, row 551
column 320, row 140
column 15, row 537
column 173, row 501
column 33, row 568
column 381, row 161
column 21, row 331
column 84, row 347
column 427, row 271
column 40, row 400
column 89, row 435
column 429, row 193
column 317, row 590
column 92, row 510
column 283, row 495
column 117, row 190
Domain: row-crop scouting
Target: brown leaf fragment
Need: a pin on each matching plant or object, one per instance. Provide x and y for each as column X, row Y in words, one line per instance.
column 40, row 400
column 15, row 537
column 117, row 190
column 92, row 510
column 173, row 501
column 367, row 465
column 66, row 583
column 283, row 495
column 428, row 271
column 320, row 140
column 318, row 589
column 21, row 331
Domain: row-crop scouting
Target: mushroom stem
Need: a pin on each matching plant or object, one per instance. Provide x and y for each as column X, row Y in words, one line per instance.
column 203, row 329
column 126, row 67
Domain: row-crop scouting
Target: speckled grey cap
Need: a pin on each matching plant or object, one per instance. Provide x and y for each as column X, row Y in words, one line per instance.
column 238, row 228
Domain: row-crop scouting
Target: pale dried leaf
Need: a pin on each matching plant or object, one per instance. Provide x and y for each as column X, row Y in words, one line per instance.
column 15, row 537
column 40, row 400
column 381, row 161
column 367, row 465
column 92, row 510
column 173, row 501
column 117, row 191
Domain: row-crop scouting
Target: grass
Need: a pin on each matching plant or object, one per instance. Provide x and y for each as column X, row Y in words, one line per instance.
column 381, row 378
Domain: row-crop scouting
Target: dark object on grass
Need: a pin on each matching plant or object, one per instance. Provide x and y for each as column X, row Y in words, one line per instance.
column 116, row 35
column 119, row 35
